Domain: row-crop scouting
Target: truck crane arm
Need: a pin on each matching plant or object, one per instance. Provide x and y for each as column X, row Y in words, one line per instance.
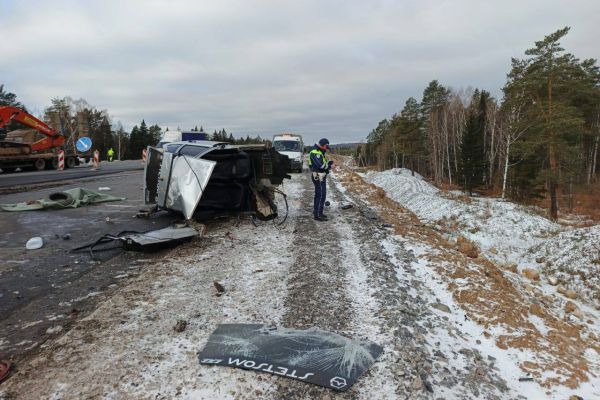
column 52, row 140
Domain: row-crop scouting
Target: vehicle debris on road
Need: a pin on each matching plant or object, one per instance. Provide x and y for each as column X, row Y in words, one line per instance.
column 34, row 243
column 142, row 241
column 311, row 355
column 72, row 198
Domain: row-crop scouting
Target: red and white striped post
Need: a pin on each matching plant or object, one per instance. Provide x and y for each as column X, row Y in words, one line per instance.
column 96, row 161
column 61, row 160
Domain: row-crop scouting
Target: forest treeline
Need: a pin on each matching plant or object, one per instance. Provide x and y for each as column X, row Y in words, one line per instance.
column 77, row 118
column 539, row 141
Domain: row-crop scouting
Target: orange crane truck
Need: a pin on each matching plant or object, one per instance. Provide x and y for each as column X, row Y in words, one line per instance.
column 23, row 148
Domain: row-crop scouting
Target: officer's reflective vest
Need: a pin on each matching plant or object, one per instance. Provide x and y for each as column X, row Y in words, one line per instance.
column 319, row 152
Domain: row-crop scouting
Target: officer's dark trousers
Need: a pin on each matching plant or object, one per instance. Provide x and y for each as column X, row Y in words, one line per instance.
column 320, row 194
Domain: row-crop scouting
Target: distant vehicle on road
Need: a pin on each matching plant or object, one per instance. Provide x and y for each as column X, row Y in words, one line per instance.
column 178, row 136
column 291, row 145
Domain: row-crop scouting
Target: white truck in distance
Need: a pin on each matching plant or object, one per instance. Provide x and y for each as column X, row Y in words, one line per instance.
column 291, row 145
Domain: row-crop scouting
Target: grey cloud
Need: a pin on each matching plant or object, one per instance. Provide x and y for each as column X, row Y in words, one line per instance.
column 321, row 68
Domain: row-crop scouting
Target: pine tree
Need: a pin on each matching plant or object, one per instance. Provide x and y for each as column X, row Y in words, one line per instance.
column 154, row 134
column 412, row 139
column 135, row 144
column 549, row 84
column 145, row 139
column 473, row 165
column 10, row 99
column 107, row 136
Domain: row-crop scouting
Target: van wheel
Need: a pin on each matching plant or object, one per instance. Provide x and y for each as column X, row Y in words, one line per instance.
column 40, row 164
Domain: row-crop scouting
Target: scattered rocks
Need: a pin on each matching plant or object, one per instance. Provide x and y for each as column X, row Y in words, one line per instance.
column 180, row 325
column 561, row 289
column 575, row 397
column 553, row 280
column 531, row 274
column 219, row 287
column 441, row 307
column 54, row 329
column 426, row 383
column 526, row 379
column 540, row 260
column 512, row 268
column 417, row 384
column 570, row 307
column 571, row 294
column 493, row 250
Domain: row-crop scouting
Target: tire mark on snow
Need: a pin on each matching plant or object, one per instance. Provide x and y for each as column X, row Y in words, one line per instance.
column 316, row 295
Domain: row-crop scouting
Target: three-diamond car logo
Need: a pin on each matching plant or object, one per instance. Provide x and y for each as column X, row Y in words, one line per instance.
column 337, row 382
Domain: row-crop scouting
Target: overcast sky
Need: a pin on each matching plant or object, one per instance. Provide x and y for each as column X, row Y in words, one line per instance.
column 319, row 68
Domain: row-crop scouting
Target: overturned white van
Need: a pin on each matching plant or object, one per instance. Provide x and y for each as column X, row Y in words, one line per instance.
column 205, row 179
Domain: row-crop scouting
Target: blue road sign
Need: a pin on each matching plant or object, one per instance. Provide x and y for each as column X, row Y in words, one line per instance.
column 84, row 144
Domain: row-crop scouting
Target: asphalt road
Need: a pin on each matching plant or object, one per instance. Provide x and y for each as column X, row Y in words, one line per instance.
column 20, row 181
column 43, row 291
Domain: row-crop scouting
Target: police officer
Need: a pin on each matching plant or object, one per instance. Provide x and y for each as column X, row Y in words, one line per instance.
column 319, row 168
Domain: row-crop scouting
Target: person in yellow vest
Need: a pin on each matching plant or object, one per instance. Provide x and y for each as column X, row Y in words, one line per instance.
column 319, row 168
column 111, row 154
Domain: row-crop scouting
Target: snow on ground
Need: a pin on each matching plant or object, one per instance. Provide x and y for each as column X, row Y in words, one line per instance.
column 128, row 347
column 505, row 232
column 442, row 318
column 506, row 319
column 462, row 332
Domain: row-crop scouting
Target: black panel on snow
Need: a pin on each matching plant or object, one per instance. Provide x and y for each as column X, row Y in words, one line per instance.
column 315, row 356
